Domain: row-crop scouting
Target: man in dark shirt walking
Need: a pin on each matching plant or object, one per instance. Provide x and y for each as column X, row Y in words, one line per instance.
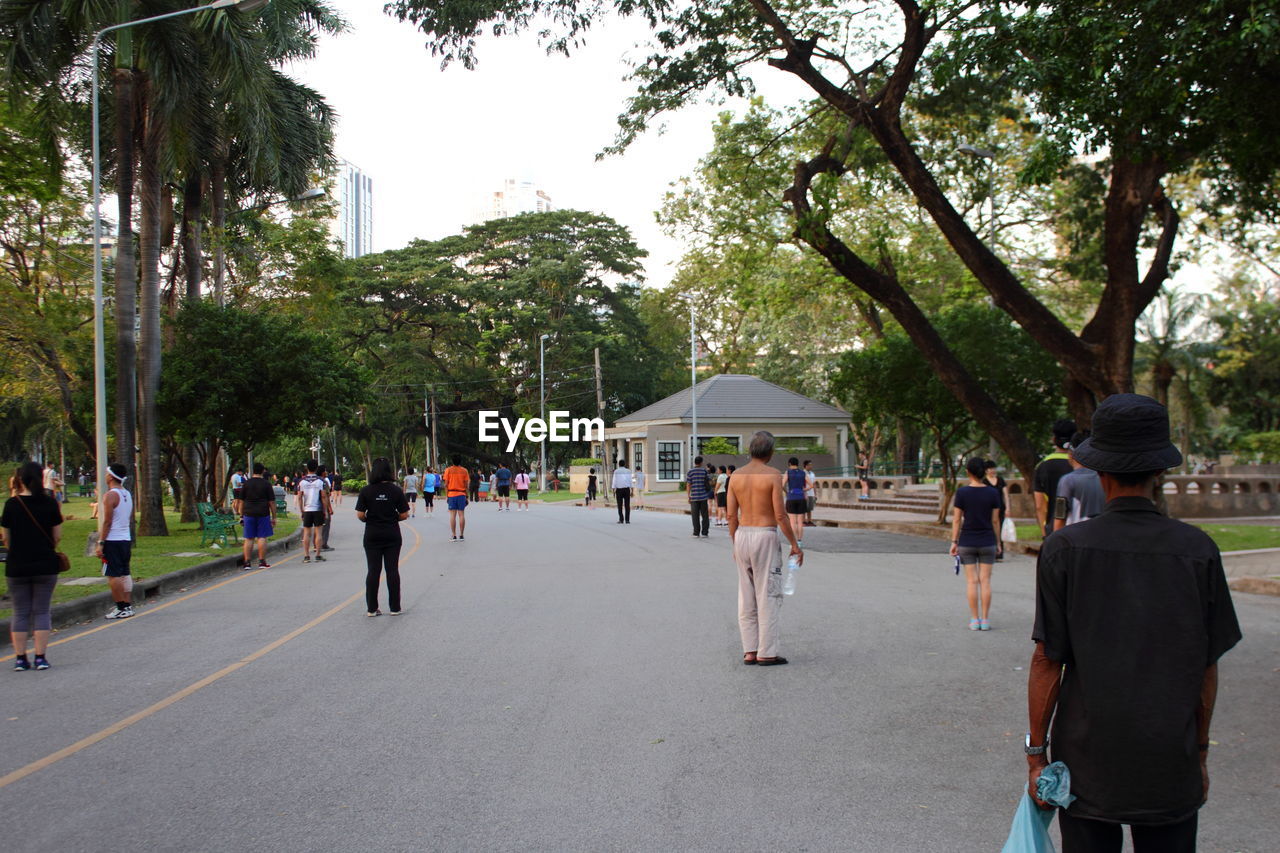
column 258, row 512
column 699, row 488
column 1132, row 614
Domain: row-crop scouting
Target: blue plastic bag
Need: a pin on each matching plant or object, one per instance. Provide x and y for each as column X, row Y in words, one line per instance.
column 1029, row 832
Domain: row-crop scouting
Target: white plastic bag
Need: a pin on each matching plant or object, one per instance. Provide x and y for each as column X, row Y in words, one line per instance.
column 1008, row 532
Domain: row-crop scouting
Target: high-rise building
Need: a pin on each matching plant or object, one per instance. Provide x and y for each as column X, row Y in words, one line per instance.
column 515, row 196
column 355, row 210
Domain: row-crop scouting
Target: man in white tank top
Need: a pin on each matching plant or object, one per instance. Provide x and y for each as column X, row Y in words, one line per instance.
column 115, row 541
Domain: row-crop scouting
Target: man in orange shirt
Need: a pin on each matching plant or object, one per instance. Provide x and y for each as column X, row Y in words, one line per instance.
column 456, row 479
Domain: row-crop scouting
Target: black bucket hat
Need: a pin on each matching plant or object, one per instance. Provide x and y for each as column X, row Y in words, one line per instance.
column 1130, row 435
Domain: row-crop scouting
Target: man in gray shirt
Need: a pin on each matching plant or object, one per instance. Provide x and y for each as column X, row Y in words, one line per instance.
column 1080, row 494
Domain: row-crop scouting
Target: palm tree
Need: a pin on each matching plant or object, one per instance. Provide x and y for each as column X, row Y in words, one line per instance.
column 1167, row 350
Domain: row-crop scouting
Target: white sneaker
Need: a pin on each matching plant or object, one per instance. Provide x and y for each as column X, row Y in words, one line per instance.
column 120, row 613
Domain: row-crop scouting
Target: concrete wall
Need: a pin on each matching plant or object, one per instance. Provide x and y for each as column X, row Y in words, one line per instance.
column 1201, row 496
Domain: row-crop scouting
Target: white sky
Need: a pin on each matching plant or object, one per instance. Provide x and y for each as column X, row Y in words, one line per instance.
column 434, row 141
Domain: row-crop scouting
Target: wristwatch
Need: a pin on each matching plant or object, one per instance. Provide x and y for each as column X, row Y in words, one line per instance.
column 1035, row 750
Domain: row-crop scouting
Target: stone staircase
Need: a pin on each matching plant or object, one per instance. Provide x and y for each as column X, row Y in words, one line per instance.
column 921, row 500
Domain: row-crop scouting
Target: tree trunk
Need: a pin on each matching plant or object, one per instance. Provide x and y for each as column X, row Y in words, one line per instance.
column 126, row 274
column 151, row 520
column 193, row 261
column 907, row 453
column 218, row 191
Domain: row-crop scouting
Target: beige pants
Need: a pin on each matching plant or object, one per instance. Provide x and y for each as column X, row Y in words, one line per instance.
column 759, row 557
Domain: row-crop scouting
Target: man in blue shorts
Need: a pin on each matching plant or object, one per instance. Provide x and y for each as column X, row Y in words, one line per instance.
column 456, row 480
column 504, row 487
column 258, row 509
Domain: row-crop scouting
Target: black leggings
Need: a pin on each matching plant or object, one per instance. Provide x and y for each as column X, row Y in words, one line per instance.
column 382, row 553
column 429, row 498
column 1080, row 835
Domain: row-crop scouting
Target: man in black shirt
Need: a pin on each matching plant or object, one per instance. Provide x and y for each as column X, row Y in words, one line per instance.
column 1051, row 469
column 1132, row 614
column 258, row 510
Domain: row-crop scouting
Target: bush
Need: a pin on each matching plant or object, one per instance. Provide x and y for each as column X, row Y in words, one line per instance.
column 1263, row 446
column 584, row 461
column 353, row 484
column 720, row 446
column 812, row 449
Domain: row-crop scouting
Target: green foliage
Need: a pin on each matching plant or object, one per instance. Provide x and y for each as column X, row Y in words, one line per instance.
column 584, row 460
column 246, row 377
column 1246, row 367
column 891, row 378
column 353, row 484
column 718, row 445
column 1264, row 447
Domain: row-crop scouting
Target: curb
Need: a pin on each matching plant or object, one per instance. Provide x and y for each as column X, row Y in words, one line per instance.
column 92, row 606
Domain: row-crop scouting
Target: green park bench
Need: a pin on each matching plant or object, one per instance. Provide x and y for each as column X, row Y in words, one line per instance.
column 216, row 526
column 282, row 507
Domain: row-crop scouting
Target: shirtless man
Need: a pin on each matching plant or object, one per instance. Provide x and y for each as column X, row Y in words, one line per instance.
column 756, row 514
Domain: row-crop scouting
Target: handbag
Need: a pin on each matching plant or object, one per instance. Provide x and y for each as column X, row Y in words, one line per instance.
column 1008, row 531
column 64, row 562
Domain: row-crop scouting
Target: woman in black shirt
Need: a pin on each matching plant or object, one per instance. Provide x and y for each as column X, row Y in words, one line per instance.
column 975, row 540
column 30, row 520
column 382, row 506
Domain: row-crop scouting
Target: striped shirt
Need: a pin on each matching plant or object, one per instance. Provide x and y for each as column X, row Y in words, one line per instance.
column 699, row 484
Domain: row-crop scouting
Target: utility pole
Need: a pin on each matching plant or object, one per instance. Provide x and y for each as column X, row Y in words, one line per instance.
column 693, row 387
column 435, row 425
column 605, row 461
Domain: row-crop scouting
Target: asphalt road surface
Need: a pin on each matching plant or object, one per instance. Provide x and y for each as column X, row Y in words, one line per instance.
column 563, row 683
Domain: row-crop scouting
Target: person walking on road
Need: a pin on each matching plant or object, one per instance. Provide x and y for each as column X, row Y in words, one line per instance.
column 381, row 505
column 698, row 486
column 31, row 528
column 637, row 486
column 622, row 491
column 335, row 483
column 810, row 492
column 722, row 497
column 991, row 477
column 258, row 514
column 1051, row 469
column 1132, row 614
column 521, row 481
column 115, row 541
column 313, row 506
column 502, row 479
column 456, row 480
column 429, row 490
column 1080, row 494
column 591, row 487
column 411, row 485
column 323, row 473
column 756, row 514
column 975, row 539
column 796, row 505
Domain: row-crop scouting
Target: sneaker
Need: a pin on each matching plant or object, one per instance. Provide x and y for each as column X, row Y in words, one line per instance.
column 326, row 548
column 21, row 664
column 263, row 564
column 320, row 559
column 396, row 612
column 453, row 538
column 374, row 613
column 984, row 625
column 42, row 662
column 120, row 613
column 975, row 624
column 306, row 558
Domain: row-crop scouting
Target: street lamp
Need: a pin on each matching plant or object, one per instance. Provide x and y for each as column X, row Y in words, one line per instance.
column 99, row 345
column 693, row 382
column 542, row 409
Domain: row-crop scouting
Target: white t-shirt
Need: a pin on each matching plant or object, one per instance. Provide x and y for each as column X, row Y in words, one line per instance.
column 311, row 488
column 638, row 479
column 810, row 479
column 622, row 478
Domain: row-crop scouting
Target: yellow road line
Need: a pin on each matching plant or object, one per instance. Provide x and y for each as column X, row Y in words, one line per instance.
column 116, row 728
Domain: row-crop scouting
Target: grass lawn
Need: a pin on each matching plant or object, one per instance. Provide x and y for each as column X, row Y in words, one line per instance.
column 1230, row 537
column 151, row 555
column 556, row 497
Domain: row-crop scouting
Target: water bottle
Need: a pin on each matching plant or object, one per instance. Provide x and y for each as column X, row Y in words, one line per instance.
column 793, row 566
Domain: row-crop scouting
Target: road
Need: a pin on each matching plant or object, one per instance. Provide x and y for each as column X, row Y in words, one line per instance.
column 560, row 682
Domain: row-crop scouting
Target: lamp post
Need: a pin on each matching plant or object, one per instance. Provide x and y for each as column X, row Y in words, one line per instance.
column 542, row 410
column 693, row 385
column 99, row 345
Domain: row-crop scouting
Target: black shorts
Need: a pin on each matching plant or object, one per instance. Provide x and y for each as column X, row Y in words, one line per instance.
column 722, row 499
column 412, row 497
column 522, row 494
column 504, row 491
column 797, row 506
column 313, row 518
column 115, row 557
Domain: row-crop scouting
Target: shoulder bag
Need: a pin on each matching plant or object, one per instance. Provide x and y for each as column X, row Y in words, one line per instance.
column 64, row 562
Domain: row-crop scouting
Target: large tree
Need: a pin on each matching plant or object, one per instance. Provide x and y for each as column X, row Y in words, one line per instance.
column 1154, row 89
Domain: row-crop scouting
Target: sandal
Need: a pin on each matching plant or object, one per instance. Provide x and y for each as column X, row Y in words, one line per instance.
column 770, row 661
column 975, row 624
column 748, row 661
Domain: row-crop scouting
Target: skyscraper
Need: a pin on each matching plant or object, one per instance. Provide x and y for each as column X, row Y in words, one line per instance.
column 355, row 210
column 514, row 197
